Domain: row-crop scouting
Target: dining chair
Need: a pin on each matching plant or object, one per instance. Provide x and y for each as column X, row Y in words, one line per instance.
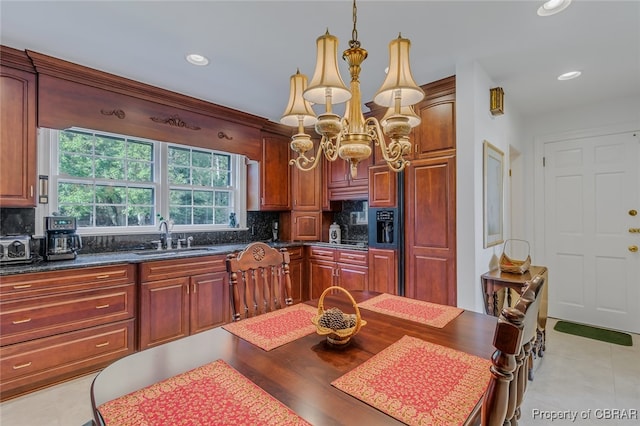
column 259, row 279
column 514, row 340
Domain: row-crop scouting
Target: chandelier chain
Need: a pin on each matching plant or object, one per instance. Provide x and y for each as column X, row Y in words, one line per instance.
column 354, row 33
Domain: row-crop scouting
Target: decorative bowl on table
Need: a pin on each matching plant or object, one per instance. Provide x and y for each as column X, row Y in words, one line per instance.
column 339, row 327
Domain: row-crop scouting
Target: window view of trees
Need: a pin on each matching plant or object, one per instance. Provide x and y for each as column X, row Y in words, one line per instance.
column 107, row 181
column 104, row 180
column 200, row 183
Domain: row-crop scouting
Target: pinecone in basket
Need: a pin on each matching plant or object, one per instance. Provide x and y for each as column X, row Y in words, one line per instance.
column 335, row 319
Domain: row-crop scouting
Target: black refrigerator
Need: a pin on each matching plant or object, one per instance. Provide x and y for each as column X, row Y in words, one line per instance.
column 386, row 229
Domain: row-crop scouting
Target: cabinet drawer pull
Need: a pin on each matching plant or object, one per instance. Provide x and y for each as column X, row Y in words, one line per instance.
column 194, row 288
column 18, row 287
column 102, row 306
column 102, row 277
column 101, row 345
column 18, row 367
column 22, row 321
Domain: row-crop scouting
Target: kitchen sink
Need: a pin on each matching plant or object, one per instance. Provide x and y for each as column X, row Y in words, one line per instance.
column 149, row 253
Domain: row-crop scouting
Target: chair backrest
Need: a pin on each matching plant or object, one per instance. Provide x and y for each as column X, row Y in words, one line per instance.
column 514, row 340
column 259, row 280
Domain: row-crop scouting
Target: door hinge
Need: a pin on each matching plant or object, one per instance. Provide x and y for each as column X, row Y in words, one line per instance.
column 544, row 161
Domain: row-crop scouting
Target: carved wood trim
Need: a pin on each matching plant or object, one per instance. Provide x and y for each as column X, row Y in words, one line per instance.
column 59, row 68
column 116, row 112
column 175, row 121
column 223, row 135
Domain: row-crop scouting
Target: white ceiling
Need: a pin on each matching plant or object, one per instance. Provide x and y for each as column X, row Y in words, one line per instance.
column 254, row 46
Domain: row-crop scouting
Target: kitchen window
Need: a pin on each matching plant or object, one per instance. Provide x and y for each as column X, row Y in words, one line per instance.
column 119, row 184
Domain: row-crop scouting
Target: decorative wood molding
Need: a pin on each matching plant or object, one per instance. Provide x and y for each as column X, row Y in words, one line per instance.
column 62, row 69
column 175, row 121
column 117, row 112
column 14, row 58
column 223, row 135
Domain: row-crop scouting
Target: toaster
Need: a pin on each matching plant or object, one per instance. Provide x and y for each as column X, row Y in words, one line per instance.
column 15, row 249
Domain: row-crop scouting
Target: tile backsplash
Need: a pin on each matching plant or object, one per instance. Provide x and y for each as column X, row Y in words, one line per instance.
column 22, row 221
column 352, row 220
column 17, row 221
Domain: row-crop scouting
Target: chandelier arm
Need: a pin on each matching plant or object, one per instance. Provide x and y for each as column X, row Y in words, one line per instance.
column 330, row 147
column 391, row 152
column 305, row 163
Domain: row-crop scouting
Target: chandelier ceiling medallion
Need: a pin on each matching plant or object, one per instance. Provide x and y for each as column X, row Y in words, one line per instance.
column 350, row 137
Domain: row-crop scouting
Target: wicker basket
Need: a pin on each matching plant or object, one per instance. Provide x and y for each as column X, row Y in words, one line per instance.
column 342, row 336
column 514, row 266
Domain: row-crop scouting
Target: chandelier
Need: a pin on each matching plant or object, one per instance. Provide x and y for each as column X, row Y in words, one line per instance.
column 350, row 137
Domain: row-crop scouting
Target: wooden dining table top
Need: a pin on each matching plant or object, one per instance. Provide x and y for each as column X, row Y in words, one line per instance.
column 299, row 373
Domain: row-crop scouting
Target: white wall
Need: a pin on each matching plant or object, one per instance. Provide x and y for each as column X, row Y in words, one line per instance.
column 474, row 125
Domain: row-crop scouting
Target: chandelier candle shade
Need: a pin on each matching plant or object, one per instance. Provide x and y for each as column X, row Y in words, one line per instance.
column 350, row 137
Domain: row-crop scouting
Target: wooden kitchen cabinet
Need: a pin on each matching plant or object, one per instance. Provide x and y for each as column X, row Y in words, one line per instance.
column 337, row 267
column 341, row 186
column 297, row 273
column 268, row 180
column 430, row 230
column 383, row 270
column 437, row 131
column 306, row 189
column 18, row 130
column 306, row 226
column 180, row 297
column 383, row 187
column 57, row 325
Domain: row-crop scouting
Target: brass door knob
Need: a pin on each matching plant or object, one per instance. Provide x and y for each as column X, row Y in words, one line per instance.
column 633, row 212
column 633, row 249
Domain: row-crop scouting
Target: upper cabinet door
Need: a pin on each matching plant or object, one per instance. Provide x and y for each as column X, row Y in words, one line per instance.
column 436, row 133
column 382, row 187
column 268, row 180
column 275, row 174
column 17, row 138
column 306, row 189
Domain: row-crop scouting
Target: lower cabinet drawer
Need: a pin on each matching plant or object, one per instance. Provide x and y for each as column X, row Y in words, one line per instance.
column 29, row 319
column 37, row 363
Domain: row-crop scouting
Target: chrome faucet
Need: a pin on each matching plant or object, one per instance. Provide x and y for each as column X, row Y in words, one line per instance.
column 166, row 235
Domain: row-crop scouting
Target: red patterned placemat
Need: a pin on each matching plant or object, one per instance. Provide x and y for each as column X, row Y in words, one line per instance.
column 419, row 383
column 214, row 394
column 275, row 328
column 428, row 313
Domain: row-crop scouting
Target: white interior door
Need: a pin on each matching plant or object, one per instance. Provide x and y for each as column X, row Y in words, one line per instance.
column 592, row 186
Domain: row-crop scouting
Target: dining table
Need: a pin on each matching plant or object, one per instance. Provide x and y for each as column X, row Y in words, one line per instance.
column 299, row 373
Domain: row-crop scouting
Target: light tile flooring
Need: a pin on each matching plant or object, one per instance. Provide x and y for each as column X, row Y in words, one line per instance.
column 575, row 375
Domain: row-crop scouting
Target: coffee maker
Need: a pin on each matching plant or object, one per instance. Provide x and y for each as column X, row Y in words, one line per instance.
column 61, row 240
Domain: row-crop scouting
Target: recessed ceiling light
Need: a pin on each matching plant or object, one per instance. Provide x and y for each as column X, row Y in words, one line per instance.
column 551, row 7
column 195, row 59
column 569, row 75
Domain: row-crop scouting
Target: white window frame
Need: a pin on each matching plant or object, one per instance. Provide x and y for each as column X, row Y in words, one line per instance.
column 48, row 166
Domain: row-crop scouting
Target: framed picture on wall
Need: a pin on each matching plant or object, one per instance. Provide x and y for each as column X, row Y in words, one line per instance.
column 493, row 172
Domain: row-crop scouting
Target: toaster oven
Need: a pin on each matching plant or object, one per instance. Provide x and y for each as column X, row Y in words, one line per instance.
column 15, row 249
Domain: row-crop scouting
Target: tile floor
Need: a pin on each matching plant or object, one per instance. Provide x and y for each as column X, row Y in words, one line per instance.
column 576, row 375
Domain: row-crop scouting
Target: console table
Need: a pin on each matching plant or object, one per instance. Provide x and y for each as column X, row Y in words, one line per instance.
column 498, row 287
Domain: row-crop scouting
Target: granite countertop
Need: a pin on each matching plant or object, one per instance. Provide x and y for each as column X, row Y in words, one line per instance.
column 139, row 256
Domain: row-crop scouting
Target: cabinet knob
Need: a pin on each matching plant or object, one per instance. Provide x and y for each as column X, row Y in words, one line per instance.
column 633, row 249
